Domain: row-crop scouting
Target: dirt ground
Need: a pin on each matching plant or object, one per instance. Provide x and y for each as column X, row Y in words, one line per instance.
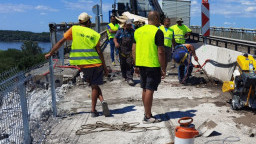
column 171, row 102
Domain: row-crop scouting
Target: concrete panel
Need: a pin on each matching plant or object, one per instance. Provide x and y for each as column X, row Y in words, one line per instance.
column 204, row 53
column 225, row 56
column 218, row 54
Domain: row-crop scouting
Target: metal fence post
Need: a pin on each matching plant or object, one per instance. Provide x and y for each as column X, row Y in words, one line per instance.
column 24, row 108
column 52, row 81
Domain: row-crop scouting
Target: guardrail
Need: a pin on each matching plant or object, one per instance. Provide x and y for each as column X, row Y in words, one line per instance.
column 238, row 45
column 234, row 33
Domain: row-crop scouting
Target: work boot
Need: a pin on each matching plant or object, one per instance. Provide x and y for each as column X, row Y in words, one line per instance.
column 130, row 82
column 94, row 114
column 105, row 109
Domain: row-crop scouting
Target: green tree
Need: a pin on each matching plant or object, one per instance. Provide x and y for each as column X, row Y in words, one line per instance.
column 30, row 55
column 31, row 48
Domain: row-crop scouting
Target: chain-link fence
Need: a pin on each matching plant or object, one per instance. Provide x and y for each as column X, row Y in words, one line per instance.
column 25, row 105
column 11, row 122
column 234, row 33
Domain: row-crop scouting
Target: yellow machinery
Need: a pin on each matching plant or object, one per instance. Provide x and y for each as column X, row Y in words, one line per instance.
column 243, row 85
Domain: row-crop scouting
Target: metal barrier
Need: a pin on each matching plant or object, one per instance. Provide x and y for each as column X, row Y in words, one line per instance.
column 234, row 33
column 25, row 111
column 237, row 45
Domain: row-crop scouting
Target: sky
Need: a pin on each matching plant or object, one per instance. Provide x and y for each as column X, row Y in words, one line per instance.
column 35, row 15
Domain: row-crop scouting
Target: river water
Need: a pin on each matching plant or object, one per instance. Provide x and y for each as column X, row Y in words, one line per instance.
column 46, row 46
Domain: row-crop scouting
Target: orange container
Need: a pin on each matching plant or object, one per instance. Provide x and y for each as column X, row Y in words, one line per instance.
column 186, row 132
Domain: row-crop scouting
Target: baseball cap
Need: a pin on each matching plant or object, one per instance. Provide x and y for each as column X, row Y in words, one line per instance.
column 179, row 19
column 129, row 21
column 84, row 17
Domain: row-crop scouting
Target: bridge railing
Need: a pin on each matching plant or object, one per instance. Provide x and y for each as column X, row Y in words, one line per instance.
column 233, row 33
column 234, row 44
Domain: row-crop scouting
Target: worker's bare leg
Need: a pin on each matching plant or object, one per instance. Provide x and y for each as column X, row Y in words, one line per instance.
column 143, row 98
column 96, row 93
column 100, row 96
column 147, row 101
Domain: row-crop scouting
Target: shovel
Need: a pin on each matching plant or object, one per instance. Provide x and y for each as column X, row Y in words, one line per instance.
column 206, row 128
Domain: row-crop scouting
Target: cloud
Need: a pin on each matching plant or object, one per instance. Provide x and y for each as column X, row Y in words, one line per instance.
column 85, row 5
column 45, row 8
column 248, row 3
column 229, row 23
column 250, row 9
column 11, row 8
column 14, row 8
column 194, row 2
column 233, row 8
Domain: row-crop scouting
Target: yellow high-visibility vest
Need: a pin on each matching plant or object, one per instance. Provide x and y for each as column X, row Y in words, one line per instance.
column 179, row 33
column 168, row 35
column 114, row 28
column 83, row 50
column 146, row 49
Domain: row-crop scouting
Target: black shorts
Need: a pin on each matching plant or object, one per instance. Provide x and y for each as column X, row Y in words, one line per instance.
column 94, row 75
column 150, row 78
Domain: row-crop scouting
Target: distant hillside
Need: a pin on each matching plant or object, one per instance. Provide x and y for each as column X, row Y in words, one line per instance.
column 8, row 35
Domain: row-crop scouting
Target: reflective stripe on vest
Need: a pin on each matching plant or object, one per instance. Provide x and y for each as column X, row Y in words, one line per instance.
column 168, row 35
column 83, row 46
column 146, row 49
column 179, row 33
column 114, row 28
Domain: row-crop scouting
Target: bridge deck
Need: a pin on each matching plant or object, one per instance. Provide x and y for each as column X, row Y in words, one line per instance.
column 171, row 102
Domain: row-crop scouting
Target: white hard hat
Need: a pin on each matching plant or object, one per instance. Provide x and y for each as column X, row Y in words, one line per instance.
column 84, row 17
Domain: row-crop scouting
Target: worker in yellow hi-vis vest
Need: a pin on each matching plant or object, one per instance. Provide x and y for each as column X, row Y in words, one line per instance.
column 87, row 55
column 180, row 32
column 168, row 40
column 149, row 58
column 112, row 28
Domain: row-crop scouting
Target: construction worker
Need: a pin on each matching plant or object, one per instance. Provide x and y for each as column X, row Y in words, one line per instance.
column 149, row 57
column 180, row 31
column 168, row 40
column 182, row 55
column 86, row 54
column 123, row 41
column 112, row 28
